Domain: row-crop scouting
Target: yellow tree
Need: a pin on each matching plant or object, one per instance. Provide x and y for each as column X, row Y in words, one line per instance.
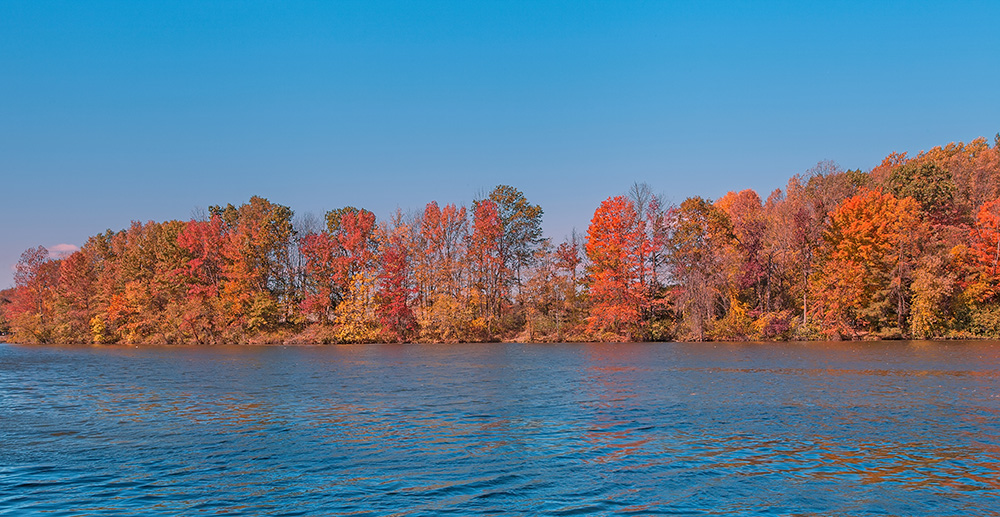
column 440, row 273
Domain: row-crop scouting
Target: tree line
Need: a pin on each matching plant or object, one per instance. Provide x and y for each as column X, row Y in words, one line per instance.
column 908, row 249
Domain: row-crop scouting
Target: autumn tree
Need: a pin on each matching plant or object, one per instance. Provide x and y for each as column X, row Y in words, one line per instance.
column 73, row 299
column 568, row 263
column 933, row 289
column 259, row 233
column 31, row 309
column 654, row 261
column 202, row 274
column 256, row 247
column 699, row 230
column 440, row 273
column 142, row 283
column 982, row 255
column 614, row 248
column 395, row 281
column 553, row 306
column 353, row 230
column 488, row 270
column 303, row 225
column 341, row 267
column 5, row 300
column 748, row 261
column 801, row 218
column 322, row 291
column 985, row 243
column 870, row 249
column 978, row 274
column 742, row 257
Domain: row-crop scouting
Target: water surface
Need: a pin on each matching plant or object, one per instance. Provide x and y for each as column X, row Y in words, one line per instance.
column 903, row 428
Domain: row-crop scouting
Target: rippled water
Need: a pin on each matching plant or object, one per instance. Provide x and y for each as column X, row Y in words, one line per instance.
column 636, row 429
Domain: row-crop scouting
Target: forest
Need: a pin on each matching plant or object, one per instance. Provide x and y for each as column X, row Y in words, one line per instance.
column 907, row 250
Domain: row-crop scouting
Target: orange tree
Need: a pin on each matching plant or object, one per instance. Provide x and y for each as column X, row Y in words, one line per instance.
column 615, row 288
column 869, row 252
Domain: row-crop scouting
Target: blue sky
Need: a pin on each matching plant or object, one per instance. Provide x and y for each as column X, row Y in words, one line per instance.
column 119, row 111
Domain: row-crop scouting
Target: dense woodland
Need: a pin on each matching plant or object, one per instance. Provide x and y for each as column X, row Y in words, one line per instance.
column 909, row 249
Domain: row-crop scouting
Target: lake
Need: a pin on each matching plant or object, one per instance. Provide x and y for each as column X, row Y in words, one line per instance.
column 883, row 428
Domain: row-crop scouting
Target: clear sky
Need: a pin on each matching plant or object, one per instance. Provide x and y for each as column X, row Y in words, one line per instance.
column 119, row 111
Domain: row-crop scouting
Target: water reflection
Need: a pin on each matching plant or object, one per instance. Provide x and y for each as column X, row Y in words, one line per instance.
column 805, row 429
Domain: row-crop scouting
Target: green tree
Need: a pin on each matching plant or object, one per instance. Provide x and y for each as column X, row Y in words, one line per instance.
column 521, row 224
column 929, row 184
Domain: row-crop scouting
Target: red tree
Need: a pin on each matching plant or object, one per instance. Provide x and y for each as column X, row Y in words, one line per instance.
column 984, row 251
column 322, row 292
column 395, row 283
column 487, row 261
column 31, row 309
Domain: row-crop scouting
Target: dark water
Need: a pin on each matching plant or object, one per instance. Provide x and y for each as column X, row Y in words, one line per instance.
column 640, row 429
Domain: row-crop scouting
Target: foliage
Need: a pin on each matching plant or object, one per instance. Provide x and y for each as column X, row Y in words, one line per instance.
column 910, row 248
